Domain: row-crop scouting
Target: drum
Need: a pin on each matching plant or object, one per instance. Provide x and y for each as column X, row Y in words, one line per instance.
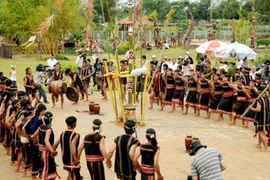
column 37, row 86
column 57, row 87
column 72, row 94
column 99, row 81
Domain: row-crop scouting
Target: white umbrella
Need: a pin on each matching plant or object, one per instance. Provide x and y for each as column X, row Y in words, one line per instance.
column 235, row 50
column 208, row 47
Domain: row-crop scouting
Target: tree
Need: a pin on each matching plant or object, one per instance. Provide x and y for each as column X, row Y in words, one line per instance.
column 201, row 9
column 19, row 19
column 227, row 9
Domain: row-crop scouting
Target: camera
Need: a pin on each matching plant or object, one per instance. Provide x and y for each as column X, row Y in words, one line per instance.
column 42, row 68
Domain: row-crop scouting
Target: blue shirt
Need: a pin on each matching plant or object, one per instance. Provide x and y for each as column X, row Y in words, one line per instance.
column 36, row 123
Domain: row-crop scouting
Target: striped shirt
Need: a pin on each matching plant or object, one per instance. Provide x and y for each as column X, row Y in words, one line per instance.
column 206, row 164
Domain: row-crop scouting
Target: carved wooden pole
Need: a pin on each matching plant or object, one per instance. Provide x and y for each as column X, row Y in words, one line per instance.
column 253, row 33
column 187, row 38
column 214, row 29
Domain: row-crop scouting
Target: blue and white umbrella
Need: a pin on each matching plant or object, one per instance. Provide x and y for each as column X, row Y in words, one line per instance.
column 235, row 50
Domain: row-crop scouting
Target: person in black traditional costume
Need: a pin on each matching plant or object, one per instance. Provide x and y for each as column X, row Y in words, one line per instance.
column 57, row 75
column 236, row 75
column 246, row 76
column 154, row 91
column 123, row 68
column 16, row 142
column 170, row 87
column 9, row 115
column 75, row 82
column 225, row 105
column 179, row 93
column 262, row 119
column 69, row 141
column 125, row 147
column 30, row 128
column 241, row 101
column 85, row 74
column 191, row 99
column 253, row 91
column 149, row 153
column 45, row 136
column 216, row 96
column 29, row 85
column 162, row 85
column 94, row 148
column 24, row 138
column 204, row 95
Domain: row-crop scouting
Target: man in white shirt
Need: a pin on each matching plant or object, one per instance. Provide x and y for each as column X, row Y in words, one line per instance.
column 51, row 62
column 163, row 61
column 173, row 65
column 252, row 73
column 239, row 63
column 79, row 62
column 166, row 45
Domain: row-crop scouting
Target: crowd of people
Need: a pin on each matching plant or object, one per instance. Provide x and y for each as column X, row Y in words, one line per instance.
column 224, row 89
column 28, row 136
column 26, row 126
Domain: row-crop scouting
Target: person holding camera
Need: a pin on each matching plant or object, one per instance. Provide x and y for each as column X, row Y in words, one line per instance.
column 41, row 73
column 208, row 163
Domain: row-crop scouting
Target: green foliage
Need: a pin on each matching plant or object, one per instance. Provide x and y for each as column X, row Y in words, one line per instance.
column 242, row 29
column 18, row 48
column 58, row 57
column 73, row 67
column 264, row 42
column 19, row 19
column 61, row 57
column 169, row 17
column 98, row 14
column 123, row 48
column 153, row 16
column 160, row 6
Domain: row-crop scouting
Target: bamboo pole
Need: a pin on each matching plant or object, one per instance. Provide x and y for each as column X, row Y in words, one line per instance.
column 144, row 98
column 120, row 89
column 262, row 93
column 135, row 83
column 111, row 94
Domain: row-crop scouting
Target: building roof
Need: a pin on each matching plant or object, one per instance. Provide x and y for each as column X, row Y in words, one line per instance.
column 125, row 21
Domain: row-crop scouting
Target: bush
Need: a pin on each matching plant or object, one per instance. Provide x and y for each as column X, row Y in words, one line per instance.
column 73, row 67
column 58, row 57
column 123, row 48
column 264, row 42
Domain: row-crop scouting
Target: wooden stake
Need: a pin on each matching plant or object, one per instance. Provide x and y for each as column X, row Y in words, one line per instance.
column 262, row 93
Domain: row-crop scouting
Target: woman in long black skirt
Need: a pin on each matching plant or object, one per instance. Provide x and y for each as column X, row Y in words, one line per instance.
column 253, row 91
column 241, row 102
column 203, row 98
column 216, row 97
column 170, row 87
column 225, row 105
column 179, row 93
column 191, row 100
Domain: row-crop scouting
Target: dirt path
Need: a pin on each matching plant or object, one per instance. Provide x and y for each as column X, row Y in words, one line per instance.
column 243, row 159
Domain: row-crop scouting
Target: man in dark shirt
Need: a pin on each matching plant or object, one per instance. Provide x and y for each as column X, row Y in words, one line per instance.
column 125, row 146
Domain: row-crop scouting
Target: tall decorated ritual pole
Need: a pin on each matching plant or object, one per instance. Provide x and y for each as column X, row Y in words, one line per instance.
column 130, row 108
